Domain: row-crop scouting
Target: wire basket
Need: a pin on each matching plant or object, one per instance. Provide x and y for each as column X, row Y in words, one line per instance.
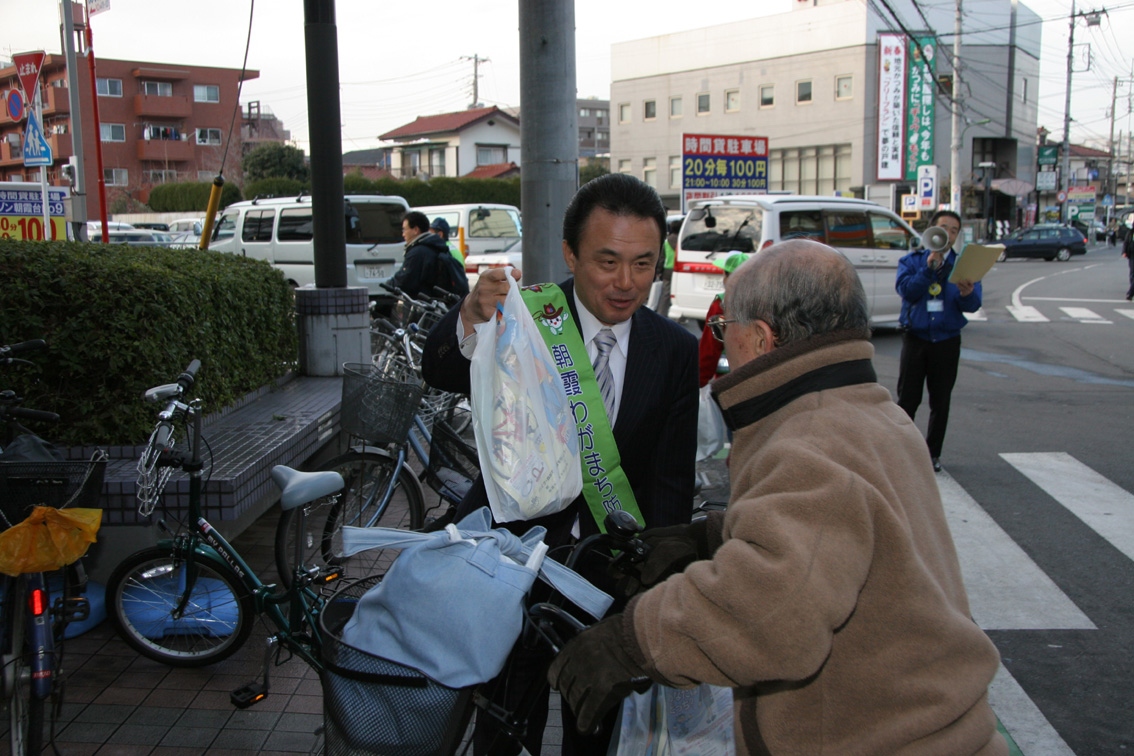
column 26, row 485
column 453, row 462
column 372, row 705
column 379, row 404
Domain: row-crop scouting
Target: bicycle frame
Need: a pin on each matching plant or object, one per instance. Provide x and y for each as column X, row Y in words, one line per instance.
column 400, row 458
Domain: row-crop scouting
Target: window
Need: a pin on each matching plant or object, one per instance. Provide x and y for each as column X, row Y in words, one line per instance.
column 803, row 92
column 209, row 136
column 295, row 224
column 888, row 234
column 437, row 161
column 379, row 222
column 485, row 223
column 226, row 226
column 584, row 112
column 624, row 113
column 802, row 224
column 821, row 170
column 603, row 136
column 206, row 176
column 674, row 107
column 160, row 177
column 115, row 176
column 731, row 100
column 649, row 110
column 491, row 154
column 703, row 103
column 258, row 226
column 1024, row 89
column 159, row 88
column 844, row 87
column 206, row 93
column 624, row 165
column 109, row 87
column 650, row 171
column 767, row 95
column 675, row 172
column 848, row 229
column 112, row 132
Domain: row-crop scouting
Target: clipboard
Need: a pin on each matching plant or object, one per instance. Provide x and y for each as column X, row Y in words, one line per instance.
column 975, row 261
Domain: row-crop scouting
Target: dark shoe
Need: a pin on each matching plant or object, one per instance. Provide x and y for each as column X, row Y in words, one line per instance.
column 936, row 464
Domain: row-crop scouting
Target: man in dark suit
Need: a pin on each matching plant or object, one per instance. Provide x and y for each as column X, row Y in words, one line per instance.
column 612, row 236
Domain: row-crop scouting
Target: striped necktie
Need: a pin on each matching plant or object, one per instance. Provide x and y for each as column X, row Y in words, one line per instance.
column 605, row 341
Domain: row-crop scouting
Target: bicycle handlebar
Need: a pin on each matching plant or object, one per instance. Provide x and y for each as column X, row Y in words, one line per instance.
column 187, row 378
column 32, row 414
column 6, row 350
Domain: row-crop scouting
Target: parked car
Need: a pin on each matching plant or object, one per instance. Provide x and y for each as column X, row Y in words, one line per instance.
column 153, row 226
column 1094, row 228
column 488, row 234
column 135, row 237
column 187, row 225
column 869, row 235
column 1049, row 241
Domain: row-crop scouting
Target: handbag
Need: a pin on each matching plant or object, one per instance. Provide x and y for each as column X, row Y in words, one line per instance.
column 711, row 430
column 452, row 603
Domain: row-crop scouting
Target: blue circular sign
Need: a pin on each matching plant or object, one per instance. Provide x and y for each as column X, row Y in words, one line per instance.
column 15, row 105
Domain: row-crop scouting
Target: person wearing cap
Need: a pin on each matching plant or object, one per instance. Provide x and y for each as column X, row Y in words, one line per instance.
column 420, row 270
column 440, row 226
column 710, row 349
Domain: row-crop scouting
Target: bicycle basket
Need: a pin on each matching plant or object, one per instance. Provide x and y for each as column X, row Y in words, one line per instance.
column 26, row 485
column 453, row 463
column 379, row 405
column 372, row 705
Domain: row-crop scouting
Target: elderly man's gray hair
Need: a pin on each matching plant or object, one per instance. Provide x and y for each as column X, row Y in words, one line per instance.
column 800, row 288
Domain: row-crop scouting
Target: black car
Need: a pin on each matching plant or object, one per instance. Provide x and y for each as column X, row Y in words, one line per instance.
column 1051, row 242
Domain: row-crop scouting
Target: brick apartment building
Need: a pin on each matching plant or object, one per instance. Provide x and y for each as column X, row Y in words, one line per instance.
column 158, row 122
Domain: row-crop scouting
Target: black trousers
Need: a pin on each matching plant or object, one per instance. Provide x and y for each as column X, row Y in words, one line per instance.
column 933, row 365
column 1130, row 261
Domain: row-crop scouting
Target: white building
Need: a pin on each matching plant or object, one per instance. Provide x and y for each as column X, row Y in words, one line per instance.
column 808, row 80
column 455, row 144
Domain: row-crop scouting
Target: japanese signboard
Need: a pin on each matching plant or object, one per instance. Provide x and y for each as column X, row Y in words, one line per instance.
column 715, row 164
column 28, row 66
column 919, row 106
column 1048, row 155
column 891, row 105
column 1045, row 181
column 21, row 211
column 1082, row 193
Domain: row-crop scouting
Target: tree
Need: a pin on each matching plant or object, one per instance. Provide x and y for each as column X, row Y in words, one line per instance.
column 275, row 160
column 592, row 170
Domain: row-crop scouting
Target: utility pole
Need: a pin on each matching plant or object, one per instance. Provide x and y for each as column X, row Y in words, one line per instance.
column 955, row 156
column 79, row 190
column 476, row 61
column 1110, row 178
column 1065, row 171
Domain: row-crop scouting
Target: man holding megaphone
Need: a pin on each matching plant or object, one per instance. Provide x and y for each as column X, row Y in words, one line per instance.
column 933, row 310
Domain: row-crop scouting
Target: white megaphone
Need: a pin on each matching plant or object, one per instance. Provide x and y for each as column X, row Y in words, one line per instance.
column 935, row 239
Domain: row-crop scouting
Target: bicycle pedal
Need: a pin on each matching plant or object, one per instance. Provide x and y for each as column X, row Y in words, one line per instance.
column 74, row 609
column 247, row 695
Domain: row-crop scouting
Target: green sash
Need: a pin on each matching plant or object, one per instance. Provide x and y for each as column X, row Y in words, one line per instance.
column 605, row 486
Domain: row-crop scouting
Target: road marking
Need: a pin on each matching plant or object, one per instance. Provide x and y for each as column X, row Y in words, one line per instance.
column 1083, row 315
column 1022, row 718
column 978, row 315
column 1127, row 313
column 1070, row 299
column 1104, row 507
column 1007, row 590
column 1026, row 314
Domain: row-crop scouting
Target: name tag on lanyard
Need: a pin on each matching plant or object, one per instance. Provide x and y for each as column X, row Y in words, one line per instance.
column 935, row 305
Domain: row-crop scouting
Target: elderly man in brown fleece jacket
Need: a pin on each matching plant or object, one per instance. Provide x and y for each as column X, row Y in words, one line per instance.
column 828, row 595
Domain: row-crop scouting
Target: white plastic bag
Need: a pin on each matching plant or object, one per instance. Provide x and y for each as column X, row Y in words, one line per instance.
column 711, row 430
column 670, row 722
column 525, row 431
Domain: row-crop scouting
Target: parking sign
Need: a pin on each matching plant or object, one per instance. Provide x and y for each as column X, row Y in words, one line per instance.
column 927, row 187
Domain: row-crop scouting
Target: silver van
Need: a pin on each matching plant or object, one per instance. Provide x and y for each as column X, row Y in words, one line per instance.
column 280, row 231
column 869, row 235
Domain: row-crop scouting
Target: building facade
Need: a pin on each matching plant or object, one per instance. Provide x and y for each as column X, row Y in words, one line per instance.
column 158, row 123
column 594, row 128
column 453, row 144
column 808, row 81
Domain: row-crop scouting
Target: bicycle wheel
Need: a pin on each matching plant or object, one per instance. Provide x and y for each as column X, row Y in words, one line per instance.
column 25, row 711
column 144, row 591
column 367, row 476
column 314, row 515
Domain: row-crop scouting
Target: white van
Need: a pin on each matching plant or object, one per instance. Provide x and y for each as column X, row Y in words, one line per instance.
column 280, row 230
column 869, row 235
column 488, row 234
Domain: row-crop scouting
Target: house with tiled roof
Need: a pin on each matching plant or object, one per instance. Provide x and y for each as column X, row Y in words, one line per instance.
column 454, row 144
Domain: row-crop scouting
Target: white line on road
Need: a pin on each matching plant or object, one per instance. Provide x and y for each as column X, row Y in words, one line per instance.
column 1071, row 299
column 1104, row 507
column 1083, row 315
column 1022, row 718
column 1127, row 313
column 978, row 315
column 1026, row 314
column 1007, row 590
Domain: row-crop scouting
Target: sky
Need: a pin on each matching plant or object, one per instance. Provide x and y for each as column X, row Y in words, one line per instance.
column 396, row 63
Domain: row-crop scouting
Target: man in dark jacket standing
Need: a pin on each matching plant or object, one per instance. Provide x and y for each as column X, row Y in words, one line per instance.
column 419, row 272
column 933, row 315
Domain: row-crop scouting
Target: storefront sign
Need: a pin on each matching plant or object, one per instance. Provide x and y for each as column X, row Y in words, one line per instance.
column 891, row 105
column 713, row 165
column 919, row 123
column 21, row 211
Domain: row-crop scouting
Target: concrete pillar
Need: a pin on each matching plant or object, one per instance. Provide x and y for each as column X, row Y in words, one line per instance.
column 334, row 327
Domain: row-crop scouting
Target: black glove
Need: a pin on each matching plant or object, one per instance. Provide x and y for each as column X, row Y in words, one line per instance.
column 672, row 549
column 594, row 672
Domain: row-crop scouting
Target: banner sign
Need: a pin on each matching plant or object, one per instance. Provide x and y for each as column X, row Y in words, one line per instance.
column 1045, row 181
column 919, row 124
column 21, row 211
column 891, row 104
column 713, row 165
column 1048, row 155
column 1082, row 193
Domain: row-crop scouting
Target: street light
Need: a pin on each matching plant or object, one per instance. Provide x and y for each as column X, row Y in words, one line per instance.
column 988, row 168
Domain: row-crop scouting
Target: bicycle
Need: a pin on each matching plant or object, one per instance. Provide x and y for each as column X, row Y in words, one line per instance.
column 191, row 599
column 32, row 633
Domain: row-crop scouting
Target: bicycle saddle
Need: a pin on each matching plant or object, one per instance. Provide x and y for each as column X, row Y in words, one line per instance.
column 297, row 488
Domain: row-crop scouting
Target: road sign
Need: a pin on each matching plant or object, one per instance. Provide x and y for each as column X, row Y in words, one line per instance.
column 927, row 187
column 1108, row 201
column 1061, row 197
column 15, row 105
column 28, row 66
column 1048, row 155
column 1045, row 181
column 1072, row 211
column 36, row 149
column 21, row 211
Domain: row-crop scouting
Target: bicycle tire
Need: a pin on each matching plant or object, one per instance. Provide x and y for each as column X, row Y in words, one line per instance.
column 143, row 590
column 287, row 531
column 25, row 710
column 364, row 472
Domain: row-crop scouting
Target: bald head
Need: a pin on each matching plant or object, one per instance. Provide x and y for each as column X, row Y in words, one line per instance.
column 800, row 288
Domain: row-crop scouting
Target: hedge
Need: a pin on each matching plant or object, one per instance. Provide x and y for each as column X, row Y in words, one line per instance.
column 118, row 320
column 443, row 190
column 190, row 196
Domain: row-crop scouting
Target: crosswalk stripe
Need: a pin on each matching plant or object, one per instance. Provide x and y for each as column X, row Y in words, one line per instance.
column 1026, row 314
column 1127, row 313
column 978, row 315
column 1084, row 315
column 1006, row 589
column 1024, row 721
column 1103, row 506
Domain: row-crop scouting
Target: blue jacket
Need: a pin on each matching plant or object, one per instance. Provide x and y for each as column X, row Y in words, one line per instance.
column 914, row 280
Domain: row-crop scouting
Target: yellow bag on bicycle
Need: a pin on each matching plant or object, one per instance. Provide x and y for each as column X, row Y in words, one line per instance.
column 48, row 539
